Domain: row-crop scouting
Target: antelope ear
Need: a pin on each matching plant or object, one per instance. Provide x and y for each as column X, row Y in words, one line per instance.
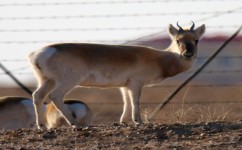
column 200, row 30
column 172, row 30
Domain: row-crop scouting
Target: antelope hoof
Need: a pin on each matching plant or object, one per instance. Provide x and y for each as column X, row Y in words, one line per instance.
column 123, row 124
column 75, row 125
column 138, row 123
column 42, row 127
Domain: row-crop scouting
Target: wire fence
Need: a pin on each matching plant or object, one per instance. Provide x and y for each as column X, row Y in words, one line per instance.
column 104, row 2
column 153, row 30
column 237, row 10
column 105, row 29
column 198, row 58
column 207, row 16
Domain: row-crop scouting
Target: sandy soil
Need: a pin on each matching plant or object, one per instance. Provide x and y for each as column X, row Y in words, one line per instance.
column 214, row 135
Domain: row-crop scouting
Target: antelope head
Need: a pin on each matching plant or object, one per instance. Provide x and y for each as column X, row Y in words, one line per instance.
column 186, row 40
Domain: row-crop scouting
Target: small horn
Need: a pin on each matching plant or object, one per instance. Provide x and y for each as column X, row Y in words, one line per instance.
column 192, row 27
column 180, row 28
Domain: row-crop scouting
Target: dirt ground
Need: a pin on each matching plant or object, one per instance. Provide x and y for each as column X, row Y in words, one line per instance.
column 214, row 135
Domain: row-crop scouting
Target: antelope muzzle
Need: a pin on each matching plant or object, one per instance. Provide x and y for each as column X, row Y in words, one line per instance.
column 188, row 50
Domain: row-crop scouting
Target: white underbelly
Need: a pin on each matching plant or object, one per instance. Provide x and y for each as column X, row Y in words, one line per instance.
column 154, row 82
column 103, row 80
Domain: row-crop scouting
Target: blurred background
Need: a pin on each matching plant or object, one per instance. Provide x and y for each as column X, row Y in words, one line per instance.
column 216, row 93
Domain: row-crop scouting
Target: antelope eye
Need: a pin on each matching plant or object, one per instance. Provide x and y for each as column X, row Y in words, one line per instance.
column 177, row 41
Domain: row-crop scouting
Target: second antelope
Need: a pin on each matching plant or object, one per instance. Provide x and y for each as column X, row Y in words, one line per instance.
column 61, row 67
column 18, row 112
column 79, row 110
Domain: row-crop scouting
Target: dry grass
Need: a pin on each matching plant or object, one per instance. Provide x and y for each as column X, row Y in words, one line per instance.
column 195, row 113
column 192, row 105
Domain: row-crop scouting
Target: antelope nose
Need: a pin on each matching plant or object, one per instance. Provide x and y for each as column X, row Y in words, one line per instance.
column 188, row 54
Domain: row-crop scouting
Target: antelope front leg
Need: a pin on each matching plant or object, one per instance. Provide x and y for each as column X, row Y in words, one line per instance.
column 38, row 99
column 134, row 93
column 39, row 113
column 127, row 107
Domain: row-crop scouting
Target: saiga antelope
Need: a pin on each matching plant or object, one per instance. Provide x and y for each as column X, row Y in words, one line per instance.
column 79, row 110
column 18, row 112
column 61, row 67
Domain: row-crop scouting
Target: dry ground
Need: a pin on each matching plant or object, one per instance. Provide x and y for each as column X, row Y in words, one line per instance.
column 214, row 135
